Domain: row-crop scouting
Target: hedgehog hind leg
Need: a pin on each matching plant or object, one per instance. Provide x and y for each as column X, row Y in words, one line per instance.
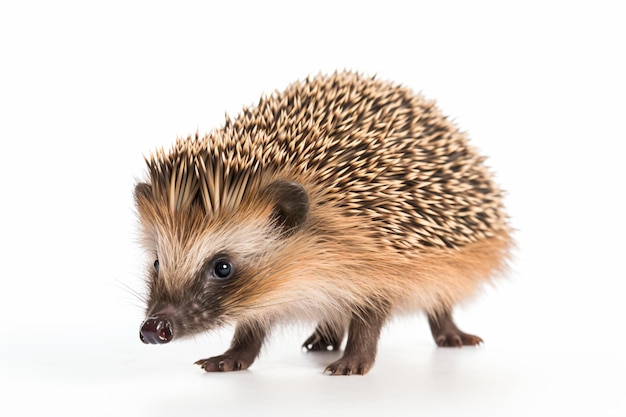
column 326, row 337
column 447, row 334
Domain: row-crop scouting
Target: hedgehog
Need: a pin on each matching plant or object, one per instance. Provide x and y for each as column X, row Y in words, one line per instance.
column 339, row 202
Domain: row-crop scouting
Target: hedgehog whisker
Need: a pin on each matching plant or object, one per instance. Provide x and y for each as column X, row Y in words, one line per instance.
column 137, row 296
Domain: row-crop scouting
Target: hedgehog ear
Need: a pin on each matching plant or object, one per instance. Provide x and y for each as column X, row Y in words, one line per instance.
column 291, row 204
column 143, row 191
column 143, row 195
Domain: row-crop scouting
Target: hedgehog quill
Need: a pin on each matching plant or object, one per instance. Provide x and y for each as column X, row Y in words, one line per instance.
column 340, row 201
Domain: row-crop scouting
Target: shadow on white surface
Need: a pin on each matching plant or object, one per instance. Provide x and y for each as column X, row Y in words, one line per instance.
column 104, row 372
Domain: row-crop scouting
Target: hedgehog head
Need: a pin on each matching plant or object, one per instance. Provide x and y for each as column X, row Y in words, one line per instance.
column 214, row 229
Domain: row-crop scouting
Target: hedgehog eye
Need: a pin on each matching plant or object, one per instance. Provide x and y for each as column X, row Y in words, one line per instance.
column 156, row 266
column 222, row 269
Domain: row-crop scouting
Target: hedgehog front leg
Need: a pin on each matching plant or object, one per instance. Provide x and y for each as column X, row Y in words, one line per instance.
column 244, row 349
column 447, row 334
column 362, row 343
column 327, row 336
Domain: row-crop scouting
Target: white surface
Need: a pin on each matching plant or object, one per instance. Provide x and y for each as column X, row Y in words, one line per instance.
column 86, row 90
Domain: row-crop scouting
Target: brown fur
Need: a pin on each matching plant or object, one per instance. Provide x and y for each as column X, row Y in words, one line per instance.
column 398, row 212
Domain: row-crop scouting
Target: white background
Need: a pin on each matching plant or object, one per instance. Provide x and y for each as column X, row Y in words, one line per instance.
column 87, row 89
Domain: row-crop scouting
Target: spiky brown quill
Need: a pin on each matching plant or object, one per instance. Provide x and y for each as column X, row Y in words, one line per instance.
column 341, row 200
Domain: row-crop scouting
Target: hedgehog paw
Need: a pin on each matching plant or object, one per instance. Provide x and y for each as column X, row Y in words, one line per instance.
column 223, row 363
column 319, row 342
column 457, row 339
column 447, row 334
column 350, row 365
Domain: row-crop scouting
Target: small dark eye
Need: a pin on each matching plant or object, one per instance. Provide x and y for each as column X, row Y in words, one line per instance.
column 222, row 269
column 156, row 266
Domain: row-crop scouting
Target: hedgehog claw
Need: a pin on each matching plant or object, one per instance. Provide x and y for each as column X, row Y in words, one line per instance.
column 447, row 334
column 459, row 339
column 223, row 363
column 351, row 365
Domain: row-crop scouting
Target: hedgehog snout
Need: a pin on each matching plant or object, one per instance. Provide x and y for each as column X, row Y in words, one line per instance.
column 156, row 330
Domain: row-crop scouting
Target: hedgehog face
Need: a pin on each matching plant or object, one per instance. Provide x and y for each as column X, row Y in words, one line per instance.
column 206, row 271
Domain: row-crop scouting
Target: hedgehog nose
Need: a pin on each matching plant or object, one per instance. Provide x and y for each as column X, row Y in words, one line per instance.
column 156, row 330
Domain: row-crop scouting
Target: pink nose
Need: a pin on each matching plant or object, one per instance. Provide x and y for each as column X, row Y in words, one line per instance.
column 156, row 330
